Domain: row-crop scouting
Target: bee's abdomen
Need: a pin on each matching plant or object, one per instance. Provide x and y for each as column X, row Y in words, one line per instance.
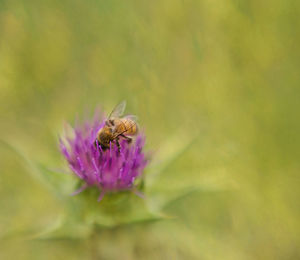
column 127, row 127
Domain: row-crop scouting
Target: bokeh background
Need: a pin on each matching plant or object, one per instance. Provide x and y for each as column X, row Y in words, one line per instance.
column 215, row 85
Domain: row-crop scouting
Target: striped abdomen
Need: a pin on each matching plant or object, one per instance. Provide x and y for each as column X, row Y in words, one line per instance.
column 125, row 126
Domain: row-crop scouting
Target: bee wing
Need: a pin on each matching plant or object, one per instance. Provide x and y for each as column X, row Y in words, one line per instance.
column 118, row 110
column 132, row 117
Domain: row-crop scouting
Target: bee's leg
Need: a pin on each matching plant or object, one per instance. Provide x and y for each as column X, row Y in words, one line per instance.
column 128, row 139
column 96, row 144
column 118, row 144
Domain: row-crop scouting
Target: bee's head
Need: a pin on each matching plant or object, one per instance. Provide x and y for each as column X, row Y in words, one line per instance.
column 105, row 136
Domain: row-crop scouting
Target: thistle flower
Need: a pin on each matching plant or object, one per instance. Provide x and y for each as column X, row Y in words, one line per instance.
column 115, row 169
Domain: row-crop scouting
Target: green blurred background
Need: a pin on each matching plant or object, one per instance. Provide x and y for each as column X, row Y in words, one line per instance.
column 215, row 85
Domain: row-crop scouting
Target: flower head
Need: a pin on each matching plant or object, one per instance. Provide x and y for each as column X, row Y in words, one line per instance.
column 110, row 170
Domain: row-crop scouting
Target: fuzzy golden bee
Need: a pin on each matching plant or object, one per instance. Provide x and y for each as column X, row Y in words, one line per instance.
column 117, row 127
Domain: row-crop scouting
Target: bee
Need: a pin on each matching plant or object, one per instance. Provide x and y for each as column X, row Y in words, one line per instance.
column 117, row 127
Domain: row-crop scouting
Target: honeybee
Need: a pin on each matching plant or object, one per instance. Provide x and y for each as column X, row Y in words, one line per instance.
column 116, row 127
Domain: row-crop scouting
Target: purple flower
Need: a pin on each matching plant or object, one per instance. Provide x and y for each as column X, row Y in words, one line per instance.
column 111, row 170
